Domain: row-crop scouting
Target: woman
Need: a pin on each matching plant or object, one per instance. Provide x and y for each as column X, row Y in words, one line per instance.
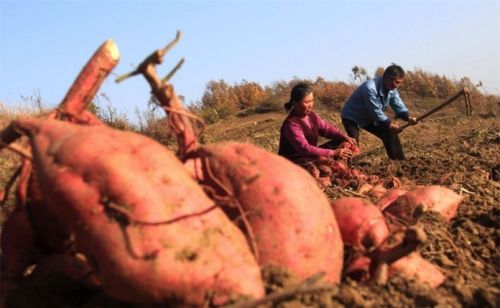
column 302, row 127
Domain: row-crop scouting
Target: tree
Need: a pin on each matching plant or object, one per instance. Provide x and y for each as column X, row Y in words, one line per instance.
column 359, row 73
column 249, row 94
column 221, row 97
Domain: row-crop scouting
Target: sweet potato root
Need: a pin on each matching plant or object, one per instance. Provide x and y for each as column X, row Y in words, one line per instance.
column 85, row 87
column 361, row 224
column 124, row 198
column 432, row 198
column 388, row 260
column 290, row 219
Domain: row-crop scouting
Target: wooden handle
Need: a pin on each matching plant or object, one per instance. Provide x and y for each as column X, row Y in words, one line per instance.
column 439, row 107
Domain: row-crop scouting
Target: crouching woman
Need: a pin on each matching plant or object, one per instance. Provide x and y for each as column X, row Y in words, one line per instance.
column 302, row 128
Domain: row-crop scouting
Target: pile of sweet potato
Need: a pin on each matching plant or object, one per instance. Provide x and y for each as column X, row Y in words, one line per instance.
column 152, row 227
column 369, row 228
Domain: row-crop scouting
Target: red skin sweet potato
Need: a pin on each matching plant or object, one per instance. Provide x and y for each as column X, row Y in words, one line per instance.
column 88, row 82
column 389, row 198
column 354, row 148
column 291, row 222
column 148, row 230
column 433, row 198
column 17, row 250
column 361, row 224
column 32, row 229
column 412, row 266
column 287, row 218
column 74, row 267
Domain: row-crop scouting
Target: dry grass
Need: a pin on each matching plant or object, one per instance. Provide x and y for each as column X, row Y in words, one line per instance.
column 9, row 161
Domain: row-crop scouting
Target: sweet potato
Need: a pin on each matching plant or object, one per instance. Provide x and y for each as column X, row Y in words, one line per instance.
column 432, row 198
column 412, row 266
column 416, row 267
column 287, row 218
column 73, row 267
column 385, row 261
column 354, row 148
column 18, row 251
column 32, row 229
column 148, row 230
column 85, row 86
column 389, row 198
column 290, row 219
column 361, row 224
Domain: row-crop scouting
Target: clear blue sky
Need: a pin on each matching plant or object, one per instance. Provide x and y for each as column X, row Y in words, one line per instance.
column 44, row 44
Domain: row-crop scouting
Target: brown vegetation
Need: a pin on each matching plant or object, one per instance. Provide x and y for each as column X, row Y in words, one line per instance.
column 221, row 100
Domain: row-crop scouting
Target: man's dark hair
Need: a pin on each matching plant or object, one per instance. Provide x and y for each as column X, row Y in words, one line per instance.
column 394, row 71
column 300, row 91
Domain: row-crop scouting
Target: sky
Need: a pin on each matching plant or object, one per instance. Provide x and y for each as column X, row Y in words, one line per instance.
column 44, row 44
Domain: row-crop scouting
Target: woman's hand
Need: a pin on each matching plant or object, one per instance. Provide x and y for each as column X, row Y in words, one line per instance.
column 351, row 140
column 342, row 153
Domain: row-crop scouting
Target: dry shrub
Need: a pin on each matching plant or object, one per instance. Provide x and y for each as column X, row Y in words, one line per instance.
column 332, row 94
column 221, row 100
column 106, row 112
column 419, row 84
column 249, row 94
column 221, row 97
column 445, row 87
column 278, row 93
column 486, row 106
column 9, row 161
column 154, row 126
column 5, row 116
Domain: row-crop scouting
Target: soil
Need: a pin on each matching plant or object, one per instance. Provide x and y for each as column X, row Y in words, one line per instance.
column 454, row 151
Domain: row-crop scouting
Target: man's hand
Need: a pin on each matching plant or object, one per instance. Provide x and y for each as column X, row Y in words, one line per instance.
column 342, row 153
column 412, row 120
column 394, row 127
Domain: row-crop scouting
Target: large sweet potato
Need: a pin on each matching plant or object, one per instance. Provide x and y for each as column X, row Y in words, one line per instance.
column 432, row 198
column 290, row 219
column 148, row 230
column 32, row 231
column 287, row 219
column 361, row 224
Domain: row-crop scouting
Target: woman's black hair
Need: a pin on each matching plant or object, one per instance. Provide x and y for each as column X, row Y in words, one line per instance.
column 394, row 71
column 300, row 91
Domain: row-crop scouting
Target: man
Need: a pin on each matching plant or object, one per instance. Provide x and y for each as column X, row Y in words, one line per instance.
column 367, row 104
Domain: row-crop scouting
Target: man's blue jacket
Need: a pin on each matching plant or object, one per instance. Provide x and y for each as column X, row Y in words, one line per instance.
column 367, row 104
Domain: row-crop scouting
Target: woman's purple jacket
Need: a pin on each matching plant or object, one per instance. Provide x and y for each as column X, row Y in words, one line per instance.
column 299, row 137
